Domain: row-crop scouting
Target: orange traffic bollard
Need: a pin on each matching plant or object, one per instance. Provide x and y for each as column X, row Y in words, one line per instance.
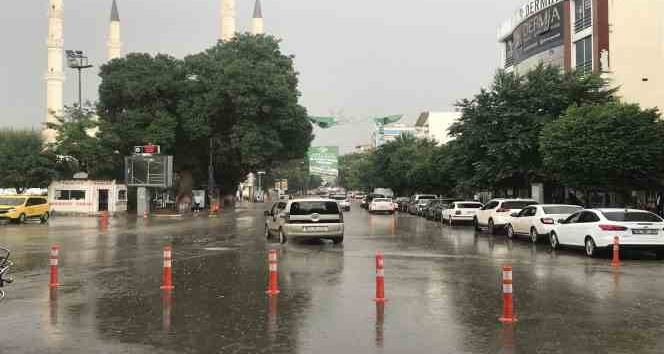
column 508, row 304
column 273, row 288
column 168, row 269
column 55, row 255
column 380, row 278
column 616, row 252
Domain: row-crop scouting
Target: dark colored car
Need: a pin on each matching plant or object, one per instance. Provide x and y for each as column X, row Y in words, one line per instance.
column 402, row 203
column 423, row 210
column 435, row 211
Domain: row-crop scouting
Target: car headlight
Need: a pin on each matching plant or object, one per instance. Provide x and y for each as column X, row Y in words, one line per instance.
column 11, row 210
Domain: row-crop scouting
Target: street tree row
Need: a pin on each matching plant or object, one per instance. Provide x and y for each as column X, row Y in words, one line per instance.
column 545, row 126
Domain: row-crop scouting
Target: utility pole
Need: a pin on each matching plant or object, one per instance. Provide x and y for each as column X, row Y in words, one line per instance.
column 76, row 60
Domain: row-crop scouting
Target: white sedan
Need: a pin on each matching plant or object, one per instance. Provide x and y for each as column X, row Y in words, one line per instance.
column 537, row 220
column 594, row 229
column 460, row 211
column 382, row 205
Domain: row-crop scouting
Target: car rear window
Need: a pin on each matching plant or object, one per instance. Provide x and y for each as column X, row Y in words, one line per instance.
column 422, row 197
column 382, row 200
column 469, row 205
column 561, row 209
column 638, row 216
column 518, row 204
column 338, row 197
column 311, row 207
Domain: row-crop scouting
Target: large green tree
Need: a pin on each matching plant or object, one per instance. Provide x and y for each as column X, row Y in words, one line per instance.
column 25, row 163
column 237, row 100
column 497, row 137
column 79, row 149
column 616, row 147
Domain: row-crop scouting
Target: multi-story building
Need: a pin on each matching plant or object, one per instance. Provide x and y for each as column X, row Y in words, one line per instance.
column 390, row 132
column 623, row 40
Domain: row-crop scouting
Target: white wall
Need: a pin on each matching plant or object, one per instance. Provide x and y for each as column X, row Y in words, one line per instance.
column 439, row 124
column 636, row 50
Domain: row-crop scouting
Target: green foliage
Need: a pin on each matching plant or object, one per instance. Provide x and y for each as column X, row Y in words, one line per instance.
column 297, row 174
column 78, row 147
column 241, row 95
column 25, row 163
column 497, row 137
column 615, row 146
column 406, row 165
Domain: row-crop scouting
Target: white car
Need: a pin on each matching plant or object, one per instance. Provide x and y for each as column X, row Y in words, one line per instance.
column 307, row 219
column 537, row 220
column 495, row 214
column 595, row 229
column 460, row 211
column 344, row 202
column 382, row 205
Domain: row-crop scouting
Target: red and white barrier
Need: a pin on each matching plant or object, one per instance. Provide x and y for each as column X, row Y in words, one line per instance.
column 273, row 288
column 54, row 258
column 168, row 269
column 508, row 304
column 380, row 278
column 616, row 252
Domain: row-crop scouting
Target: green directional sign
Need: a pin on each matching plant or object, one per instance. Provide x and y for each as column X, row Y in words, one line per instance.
column 324, row 162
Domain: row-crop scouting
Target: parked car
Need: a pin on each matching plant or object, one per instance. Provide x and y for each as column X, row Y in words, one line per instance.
column 418, row 201
column 460, row 211
column 495, row 215
column 402, row 203
column 594, row 230
column 382, row 205
column 20, row 208
column 342, row 199
column 537, row 220
column 306, row 219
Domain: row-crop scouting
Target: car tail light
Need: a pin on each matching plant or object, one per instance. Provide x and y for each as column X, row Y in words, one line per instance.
column 547, row 221
column 612, row 228
column 502, row 210
column 458, row 212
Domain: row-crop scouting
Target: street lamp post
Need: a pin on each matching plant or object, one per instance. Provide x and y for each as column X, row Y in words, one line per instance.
column 76, row 60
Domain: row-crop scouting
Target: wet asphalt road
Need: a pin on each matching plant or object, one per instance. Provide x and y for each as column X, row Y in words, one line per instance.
column 443, row 285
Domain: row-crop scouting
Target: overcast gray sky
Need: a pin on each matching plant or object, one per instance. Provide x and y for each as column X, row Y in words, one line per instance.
column 360, row 57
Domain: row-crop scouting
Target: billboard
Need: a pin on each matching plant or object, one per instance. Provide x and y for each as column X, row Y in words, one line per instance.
column 149, row 171
column 540, row 32
column 324, row 162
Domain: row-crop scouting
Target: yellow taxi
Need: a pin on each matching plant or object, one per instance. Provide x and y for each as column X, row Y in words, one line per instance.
column 20, row 208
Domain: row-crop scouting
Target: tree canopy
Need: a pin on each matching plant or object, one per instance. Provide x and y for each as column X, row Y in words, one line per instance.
column 25, row 163
column 239, row 97
column 616, row 147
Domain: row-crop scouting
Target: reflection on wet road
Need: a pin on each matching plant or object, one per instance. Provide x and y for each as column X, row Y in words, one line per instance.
column 443, row 286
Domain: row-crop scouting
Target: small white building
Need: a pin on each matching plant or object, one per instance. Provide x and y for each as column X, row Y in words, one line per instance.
column 87, row 197
column 436, row 125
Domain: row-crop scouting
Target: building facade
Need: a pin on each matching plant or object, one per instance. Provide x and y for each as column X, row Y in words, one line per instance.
column 436, row 125
column 87, row 197
column 622, row 40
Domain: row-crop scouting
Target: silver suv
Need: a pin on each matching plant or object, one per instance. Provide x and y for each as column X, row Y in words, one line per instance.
column 306, row 219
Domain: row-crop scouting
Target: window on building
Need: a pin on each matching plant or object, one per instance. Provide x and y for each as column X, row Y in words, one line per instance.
column 69, row 195
column 122, row 195
column 509, row 54
column 584, row 55
column 583, row 14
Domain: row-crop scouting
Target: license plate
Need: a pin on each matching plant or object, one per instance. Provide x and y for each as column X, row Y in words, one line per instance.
column 315, row 228
column 645, row 231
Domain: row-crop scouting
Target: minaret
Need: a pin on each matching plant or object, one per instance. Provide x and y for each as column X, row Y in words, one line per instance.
column 114, row 44
column 55, row 77
column 258, row 27
column 227, row 20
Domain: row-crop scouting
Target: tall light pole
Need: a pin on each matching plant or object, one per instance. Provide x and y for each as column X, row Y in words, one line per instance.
column 76, row 60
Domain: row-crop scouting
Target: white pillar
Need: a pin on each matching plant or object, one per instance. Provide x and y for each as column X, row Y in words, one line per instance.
column 114, row 39
column 227, row 20
column 55, row 77
column 257, row 25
